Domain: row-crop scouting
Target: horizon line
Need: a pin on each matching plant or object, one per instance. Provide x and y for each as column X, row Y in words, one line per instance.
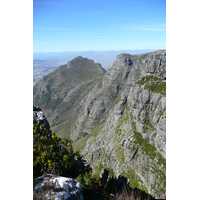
column 96, row 50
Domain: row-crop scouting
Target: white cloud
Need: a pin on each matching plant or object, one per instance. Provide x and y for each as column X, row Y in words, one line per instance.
column 141, row 28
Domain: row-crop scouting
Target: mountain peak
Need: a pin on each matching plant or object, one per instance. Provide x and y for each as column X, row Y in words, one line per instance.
column 73, row 76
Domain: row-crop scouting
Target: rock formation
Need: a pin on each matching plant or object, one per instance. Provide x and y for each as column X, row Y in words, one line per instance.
column 57, row 187
column 39, row 117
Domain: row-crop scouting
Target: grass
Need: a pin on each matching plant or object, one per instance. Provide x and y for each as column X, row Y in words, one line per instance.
column 153, row 83
column 123, row 120
column 133, row 179
column 152, row 153
column 148, row 126
column 149, row 149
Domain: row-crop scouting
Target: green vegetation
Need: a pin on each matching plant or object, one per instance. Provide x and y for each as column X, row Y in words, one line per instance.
column 123, row 120
column 133, row 125
column 45, row 98
column 149, row 149
column 85, row 179
column 127, row 106
column 143, row 188
column 133, row 179
column 120, row 154
column 51, row 154
column 148, row 126
column 84, row 134
column 152, row 153
column 111, row 173
column 161, row 160
column 80, row 144
column 98, row 169
column 153, row 83
column 161, row 113
column 65, row 125
column 160, row 174
column 54, row 155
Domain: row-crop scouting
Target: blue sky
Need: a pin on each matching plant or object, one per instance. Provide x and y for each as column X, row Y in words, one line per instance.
column 84, row 25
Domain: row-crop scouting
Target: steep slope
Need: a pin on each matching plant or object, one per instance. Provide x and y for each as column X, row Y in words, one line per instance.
column 58, row 92
column 118, row 122
column 125, row 118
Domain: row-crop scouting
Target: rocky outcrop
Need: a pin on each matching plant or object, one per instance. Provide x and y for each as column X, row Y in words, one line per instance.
column 57, row 187
column 39, row 117
column 119, row 122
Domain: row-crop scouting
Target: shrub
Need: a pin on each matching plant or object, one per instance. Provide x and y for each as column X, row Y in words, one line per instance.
column 51, row 154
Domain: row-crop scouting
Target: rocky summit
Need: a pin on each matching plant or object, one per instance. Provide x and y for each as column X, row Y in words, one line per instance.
column 117, row 119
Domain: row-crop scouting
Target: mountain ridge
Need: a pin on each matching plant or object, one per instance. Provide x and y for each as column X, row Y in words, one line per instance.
column 119, row 120
column 44, row 63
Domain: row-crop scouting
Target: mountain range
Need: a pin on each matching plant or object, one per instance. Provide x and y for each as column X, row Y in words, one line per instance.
column 115, row 118
column 44, row 63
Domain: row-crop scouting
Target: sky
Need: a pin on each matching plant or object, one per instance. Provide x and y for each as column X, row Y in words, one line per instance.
column 98, row 25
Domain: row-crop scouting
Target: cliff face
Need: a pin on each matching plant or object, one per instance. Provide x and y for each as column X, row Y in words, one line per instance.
column 125, row 118
column 120, row 122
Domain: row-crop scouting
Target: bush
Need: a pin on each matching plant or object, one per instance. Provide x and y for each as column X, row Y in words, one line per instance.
column 51, row 154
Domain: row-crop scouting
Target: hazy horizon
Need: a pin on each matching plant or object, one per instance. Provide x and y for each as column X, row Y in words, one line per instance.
column 105, row 58
column 96, row 51
column 44, row 63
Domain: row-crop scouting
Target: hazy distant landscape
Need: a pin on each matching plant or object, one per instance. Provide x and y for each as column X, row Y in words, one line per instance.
column 44, row 63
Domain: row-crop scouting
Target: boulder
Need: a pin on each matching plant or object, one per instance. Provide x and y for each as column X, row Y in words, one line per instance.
column 57, row 187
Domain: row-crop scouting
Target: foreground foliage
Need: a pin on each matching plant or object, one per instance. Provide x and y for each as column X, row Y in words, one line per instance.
column 53, row 155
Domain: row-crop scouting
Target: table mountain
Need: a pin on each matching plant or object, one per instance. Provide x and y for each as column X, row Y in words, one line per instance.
column 117, row 121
